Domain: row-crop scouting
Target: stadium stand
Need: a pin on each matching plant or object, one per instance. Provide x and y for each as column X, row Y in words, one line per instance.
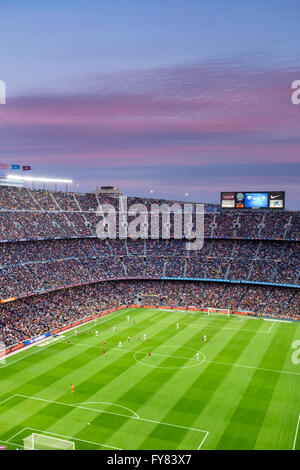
column 38, row 314
column 53, row 263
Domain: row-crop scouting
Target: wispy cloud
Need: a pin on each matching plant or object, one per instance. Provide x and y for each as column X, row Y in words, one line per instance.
column 229, row 120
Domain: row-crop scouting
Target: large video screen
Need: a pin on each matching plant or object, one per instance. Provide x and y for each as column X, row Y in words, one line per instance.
column 256, row 200
column 253, row 200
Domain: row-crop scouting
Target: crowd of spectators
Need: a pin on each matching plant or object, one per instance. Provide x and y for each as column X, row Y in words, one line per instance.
column 37, row 266
column 33, row 214
column 48, row 242
column 35, row 315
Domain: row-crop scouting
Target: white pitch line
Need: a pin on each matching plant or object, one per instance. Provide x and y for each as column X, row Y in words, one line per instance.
column 185, row 358
column 107, row 403
column 7, row 399
column 12, row 443
column 269, row 330
column 9, row 441
column 203, row 440
column 252, row 367
column 169, row 356
column 194, row 325
column 112, row 413
column 122, row 349
column 15, row 435
column 28, row 355
column 156, row 316
column 99, row 411
column 74, row 438
column 51, row 344
column 201, row 316
column 296, row 434
column 77, row 406
column 205, row 361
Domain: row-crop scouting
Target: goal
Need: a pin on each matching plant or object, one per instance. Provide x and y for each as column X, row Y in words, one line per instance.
column 223, row 311
column 42, row 442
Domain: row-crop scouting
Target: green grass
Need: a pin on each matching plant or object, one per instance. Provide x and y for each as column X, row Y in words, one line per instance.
column 243, row 392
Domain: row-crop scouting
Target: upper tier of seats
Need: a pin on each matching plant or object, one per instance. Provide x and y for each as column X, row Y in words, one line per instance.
column 34, row 214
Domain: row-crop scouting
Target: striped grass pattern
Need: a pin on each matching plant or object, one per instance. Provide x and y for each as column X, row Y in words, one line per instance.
column 242, row 392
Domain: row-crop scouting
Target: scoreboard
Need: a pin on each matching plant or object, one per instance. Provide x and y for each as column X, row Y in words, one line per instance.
column 253, row 200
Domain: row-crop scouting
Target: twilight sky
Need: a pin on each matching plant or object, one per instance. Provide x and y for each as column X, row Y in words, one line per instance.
column 174, row 96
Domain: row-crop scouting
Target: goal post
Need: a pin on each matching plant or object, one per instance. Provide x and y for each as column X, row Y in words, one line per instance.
column 42, row 442
column 216, row 311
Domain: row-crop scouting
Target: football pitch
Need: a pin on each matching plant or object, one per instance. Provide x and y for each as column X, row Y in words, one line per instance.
column 242, row 392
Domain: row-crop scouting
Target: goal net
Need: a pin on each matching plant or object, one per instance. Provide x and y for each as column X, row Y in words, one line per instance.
column 41, row 442
column 222, row 311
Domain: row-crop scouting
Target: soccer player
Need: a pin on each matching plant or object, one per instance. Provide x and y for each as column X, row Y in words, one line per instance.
column 76, row 333
column 128, row 317
column 114, row 329
column 197, row 356
column 177, row 326
column 145, row 337
column 73, row 388
column 96, row 333
column 128, row 339
column 120, row 344
column 149, row 354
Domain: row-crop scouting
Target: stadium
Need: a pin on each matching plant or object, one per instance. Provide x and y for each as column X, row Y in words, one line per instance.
column 110, row 344
column 149, row 230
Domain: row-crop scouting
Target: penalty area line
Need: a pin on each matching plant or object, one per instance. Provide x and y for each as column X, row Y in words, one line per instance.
column 203, row 440
column 113, row 413
column 296, row 433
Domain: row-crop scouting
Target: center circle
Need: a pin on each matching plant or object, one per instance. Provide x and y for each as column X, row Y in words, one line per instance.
column 168, row 356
